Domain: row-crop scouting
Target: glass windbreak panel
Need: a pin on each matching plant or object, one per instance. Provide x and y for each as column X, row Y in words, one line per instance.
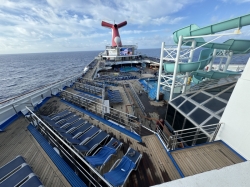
column 217, row 90
column 200, row 97
column 178, row 101
column 170, row 114
column 213, row 120
column 214, row 105
column 227, row 94
column 178, row 121
column 199, row 116
column 188, row 135
column 202, row 138
column 187, row 107
column 190, row 94
column 210, row 129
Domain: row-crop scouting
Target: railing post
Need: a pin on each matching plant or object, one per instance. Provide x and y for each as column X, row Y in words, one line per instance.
column 196, row 136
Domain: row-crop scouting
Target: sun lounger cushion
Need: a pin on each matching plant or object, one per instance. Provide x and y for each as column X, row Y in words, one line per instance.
column 32, row 182
column 11, row 166
column 100, row 157
column 17, row 177
column 118, row 175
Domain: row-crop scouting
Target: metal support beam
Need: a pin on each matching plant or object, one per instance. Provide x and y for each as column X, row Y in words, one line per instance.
column 160, row 71
column 191, row 54
column 228, row 61
column 221, row 60
column 175, row 67
column 212, row 61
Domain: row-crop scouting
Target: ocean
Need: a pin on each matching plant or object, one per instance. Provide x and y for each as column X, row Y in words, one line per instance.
column 21, row 73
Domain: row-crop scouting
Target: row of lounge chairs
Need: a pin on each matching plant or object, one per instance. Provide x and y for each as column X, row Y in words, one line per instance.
column 89, row 88
column 96, row 84
column 18, row 173
column 88, row 97
column 95, row 145
column 114, row 96
column 121, row 76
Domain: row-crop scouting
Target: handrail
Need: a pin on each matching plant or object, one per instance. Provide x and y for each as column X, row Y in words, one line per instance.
column 192, row 134
column 41, row 88
column 70, row 148
column 137, row 98
column 98, row 109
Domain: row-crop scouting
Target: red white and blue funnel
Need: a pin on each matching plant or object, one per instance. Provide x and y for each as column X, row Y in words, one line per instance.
column 116, row 40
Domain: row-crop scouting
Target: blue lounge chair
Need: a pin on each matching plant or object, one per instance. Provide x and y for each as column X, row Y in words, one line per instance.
column 119, row 173
column 51, row 122
column 88, row 147
column 11, row 166
column 103, row 154
column 18, row 177
column 66, row 122
column 60, row 115
column 77, row 132
column 70, row 127
column 33, row 181
column 84, row 137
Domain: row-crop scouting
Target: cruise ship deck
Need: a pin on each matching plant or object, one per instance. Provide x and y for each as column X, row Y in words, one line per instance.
column 156, row 166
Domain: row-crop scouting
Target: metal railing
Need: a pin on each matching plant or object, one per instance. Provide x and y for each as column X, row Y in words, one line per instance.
column 213, row 83
column 136, row 97
column 88, row 88
column 40, row 89
column 91, row 177
column 126, row 120
column 189, row 137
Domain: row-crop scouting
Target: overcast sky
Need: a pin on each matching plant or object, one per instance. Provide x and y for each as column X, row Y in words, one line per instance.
column 29, row 26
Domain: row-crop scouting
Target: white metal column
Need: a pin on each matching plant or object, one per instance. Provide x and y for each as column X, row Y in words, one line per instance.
column 212, row 61
column 160, row 71
column 228, row 61
column 191, row 54
column 219, row 67
column 175, row 67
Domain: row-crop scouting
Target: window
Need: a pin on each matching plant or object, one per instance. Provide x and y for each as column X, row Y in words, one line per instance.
column 199, row 116
column 215, row 105
column 200, row 97
column 187, row 107
column 170, row 114
column 178, row 121
column 178, row 101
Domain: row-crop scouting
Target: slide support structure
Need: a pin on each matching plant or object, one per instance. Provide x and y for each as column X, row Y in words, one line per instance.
column 176, row 67
column 191, row 54
column 212, row 61
column 160, row 71
column 228, row 61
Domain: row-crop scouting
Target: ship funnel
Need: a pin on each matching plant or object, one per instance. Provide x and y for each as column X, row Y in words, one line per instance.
column 116, row 40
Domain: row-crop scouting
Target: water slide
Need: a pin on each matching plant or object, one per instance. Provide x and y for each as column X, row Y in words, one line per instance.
column 204, row 59
column 237, row 46
column 194, row 30
column 198, row 75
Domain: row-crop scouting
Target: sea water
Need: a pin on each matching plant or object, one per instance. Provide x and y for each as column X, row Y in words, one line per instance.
column 21, row 73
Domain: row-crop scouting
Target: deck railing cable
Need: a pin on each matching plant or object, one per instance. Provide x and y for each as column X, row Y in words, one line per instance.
column 190, row 136
column 127, row 120
column 81, row 166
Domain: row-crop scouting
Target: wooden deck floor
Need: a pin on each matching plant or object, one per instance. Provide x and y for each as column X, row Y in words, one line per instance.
column 16, row 140
column 205, row 158
column 155, row 167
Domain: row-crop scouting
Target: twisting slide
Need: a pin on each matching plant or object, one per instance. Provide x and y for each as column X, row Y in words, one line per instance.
column 237, row 46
